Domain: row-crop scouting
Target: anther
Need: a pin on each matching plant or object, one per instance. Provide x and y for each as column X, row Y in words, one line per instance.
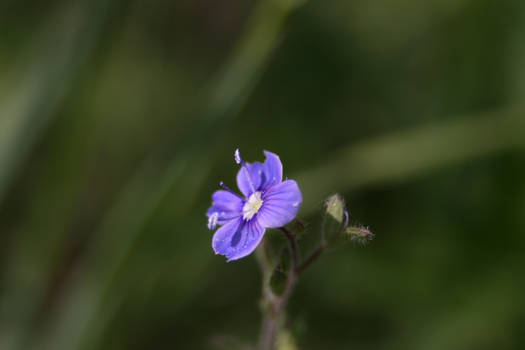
column 212, row 220
column 237, row 156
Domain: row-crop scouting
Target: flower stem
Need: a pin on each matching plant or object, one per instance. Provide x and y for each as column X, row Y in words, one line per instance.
column 311, row 258
column 292, row 245
column 268, row 333
column 274, row 313
column 274, row 305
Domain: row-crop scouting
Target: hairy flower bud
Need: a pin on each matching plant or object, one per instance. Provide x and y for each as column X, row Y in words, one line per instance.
column 359, row 234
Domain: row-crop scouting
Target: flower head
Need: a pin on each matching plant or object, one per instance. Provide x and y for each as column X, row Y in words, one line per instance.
column 266, row 202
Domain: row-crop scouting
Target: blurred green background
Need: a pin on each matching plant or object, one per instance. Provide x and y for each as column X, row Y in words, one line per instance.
column 119, row 118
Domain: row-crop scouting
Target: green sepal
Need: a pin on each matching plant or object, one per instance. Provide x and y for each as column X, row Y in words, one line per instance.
column 298, row 228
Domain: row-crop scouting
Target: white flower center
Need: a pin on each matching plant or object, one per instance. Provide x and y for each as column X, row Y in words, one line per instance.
column 252, row 205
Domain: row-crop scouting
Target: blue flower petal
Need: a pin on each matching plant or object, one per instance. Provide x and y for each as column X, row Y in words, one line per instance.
column 227, row 206
column 253, row 172
column 281, row 203
column 237, row 238
column 273, row 169
column 261, row 175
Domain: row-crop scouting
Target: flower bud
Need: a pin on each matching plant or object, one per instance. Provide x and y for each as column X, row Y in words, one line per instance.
column 335, row 219
column 335, row 207
column 359, row 234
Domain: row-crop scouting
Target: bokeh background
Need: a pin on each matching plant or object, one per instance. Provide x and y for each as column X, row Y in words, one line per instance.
column 119, row 118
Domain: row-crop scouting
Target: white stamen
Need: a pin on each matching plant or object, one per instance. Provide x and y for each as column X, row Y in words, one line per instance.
column 212, row 220
column 252, row 206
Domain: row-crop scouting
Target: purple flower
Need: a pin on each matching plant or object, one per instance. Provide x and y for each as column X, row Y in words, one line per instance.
column 268, row 202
